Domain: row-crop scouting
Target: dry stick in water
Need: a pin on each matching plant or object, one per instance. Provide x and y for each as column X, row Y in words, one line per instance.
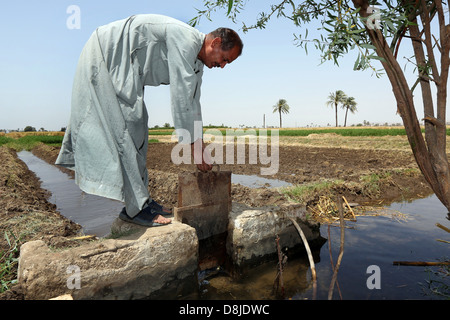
column 442, row 227
column 341, row 250
column 310, row 257
column 349, row 208
column 331, row 259
column 279, row 278
column 445, row 229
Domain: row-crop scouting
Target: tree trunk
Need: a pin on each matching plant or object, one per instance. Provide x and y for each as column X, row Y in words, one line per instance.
column 280, row 117
column 432, row 161
column 336, row 109
column 345, row 120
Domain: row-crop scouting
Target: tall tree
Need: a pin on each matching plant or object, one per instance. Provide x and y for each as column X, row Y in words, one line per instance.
column 377, row 33
column 334, row 99
column 349, row 105
column 281, row 107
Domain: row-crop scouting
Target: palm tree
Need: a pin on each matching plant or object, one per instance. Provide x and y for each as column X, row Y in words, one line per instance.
column 349, row 104
column 281, row 107
column 334, row 99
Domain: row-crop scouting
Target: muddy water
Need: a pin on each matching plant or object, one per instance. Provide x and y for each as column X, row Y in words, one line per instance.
column 378, row 242
column 95, row 214
column 254, row 181
column 366, row 270
column 372, row 244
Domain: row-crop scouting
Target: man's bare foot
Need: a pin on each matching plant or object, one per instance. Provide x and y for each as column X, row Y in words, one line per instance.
column 147, row 217
column 160, row 219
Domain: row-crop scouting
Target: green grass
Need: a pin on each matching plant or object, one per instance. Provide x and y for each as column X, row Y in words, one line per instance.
column 305, row 192
column 369, row 185
column 352, row 132
column 160, row 132
column 8, row 263
column 349, row 132
column 30, row 141
column 5, row 140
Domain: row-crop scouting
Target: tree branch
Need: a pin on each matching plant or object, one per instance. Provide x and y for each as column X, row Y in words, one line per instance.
column 435, row 122
column 425, row 16
column 405, row 104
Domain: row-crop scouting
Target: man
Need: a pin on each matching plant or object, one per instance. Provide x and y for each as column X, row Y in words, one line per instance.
column 107, row 137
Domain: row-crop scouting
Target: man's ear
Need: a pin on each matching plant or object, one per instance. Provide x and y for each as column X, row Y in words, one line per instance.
column 216, row 42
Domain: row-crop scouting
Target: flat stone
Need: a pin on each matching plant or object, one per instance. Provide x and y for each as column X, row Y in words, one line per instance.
column 252, row 231
column 158, row 262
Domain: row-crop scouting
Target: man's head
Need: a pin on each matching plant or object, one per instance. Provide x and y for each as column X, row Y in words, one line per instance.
column 222, row 46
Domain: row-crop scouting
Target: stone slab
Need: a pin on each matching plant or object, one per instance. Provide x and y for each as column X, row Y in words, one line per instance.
column 252, row 231
column 141, row 263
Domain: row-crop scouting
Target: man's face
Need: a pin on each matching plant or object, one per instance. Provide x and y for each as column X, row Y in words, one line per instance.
column 216, row 57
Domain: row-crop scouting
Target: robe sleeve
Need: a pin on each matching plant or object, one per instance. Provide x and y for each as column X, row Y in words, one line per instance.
column 185, row 73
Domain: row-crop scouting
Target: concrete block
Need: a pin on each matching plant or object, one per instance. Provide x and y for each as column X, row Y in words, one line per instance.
column 159, row 262
column 252, row 232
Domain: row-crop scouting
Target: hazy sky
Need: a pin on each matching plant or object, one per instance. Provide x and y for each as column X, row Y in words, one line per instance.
column 39, row 56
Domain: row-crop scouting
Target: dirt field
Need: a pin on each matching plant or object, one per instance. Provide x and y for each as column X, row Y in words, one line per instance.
column 399, row 177
column 365, row 174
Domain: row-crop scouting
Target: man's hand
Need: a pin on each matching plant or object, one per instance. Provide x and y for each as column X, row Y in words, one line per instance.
column 203, row 161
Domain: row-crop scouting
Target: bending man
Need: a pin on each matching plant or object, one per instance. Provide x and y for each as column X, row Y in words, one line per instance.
column 106, row 140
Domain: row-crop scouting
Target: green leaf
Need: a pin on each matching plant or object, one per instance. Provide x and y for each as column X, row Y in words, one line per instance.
column 230, row 6
column 357, row 31
column 377, row 58
column 7, row 239
column 367, row 46
column 356, row 65
column 390, row 24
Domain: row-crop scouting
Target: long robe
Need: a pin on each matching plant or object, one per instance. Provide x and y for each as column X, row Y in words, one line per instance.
column 106, row 140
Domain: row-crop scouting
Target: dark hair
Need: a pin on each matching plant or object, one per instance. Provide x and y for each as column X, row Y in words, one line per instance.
column 230, row 39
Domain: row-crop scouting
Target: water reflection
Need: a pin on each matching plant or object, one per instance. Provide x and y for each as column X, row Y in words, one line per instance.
column 95, row 214
column 380, row 240
column 371, row 241
column 254, row 181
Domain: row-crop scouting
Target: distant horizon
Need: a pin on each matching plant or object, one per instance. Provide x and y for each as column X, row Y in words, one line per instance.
column 312, row 125
column 371, row 125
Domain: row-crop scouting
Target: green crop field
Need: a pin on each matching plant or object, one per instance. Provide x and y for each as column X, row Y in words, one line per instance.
column 303, row 132
column 28, row 141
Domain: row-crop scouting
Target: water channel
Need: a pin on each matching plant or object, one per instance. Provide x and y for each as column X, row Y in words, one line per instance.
column 366, row 271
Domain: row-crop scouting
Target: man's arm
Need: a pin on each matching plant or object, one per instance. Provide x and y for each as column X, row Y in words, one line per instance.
column 201, row 159
column 185, row 73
